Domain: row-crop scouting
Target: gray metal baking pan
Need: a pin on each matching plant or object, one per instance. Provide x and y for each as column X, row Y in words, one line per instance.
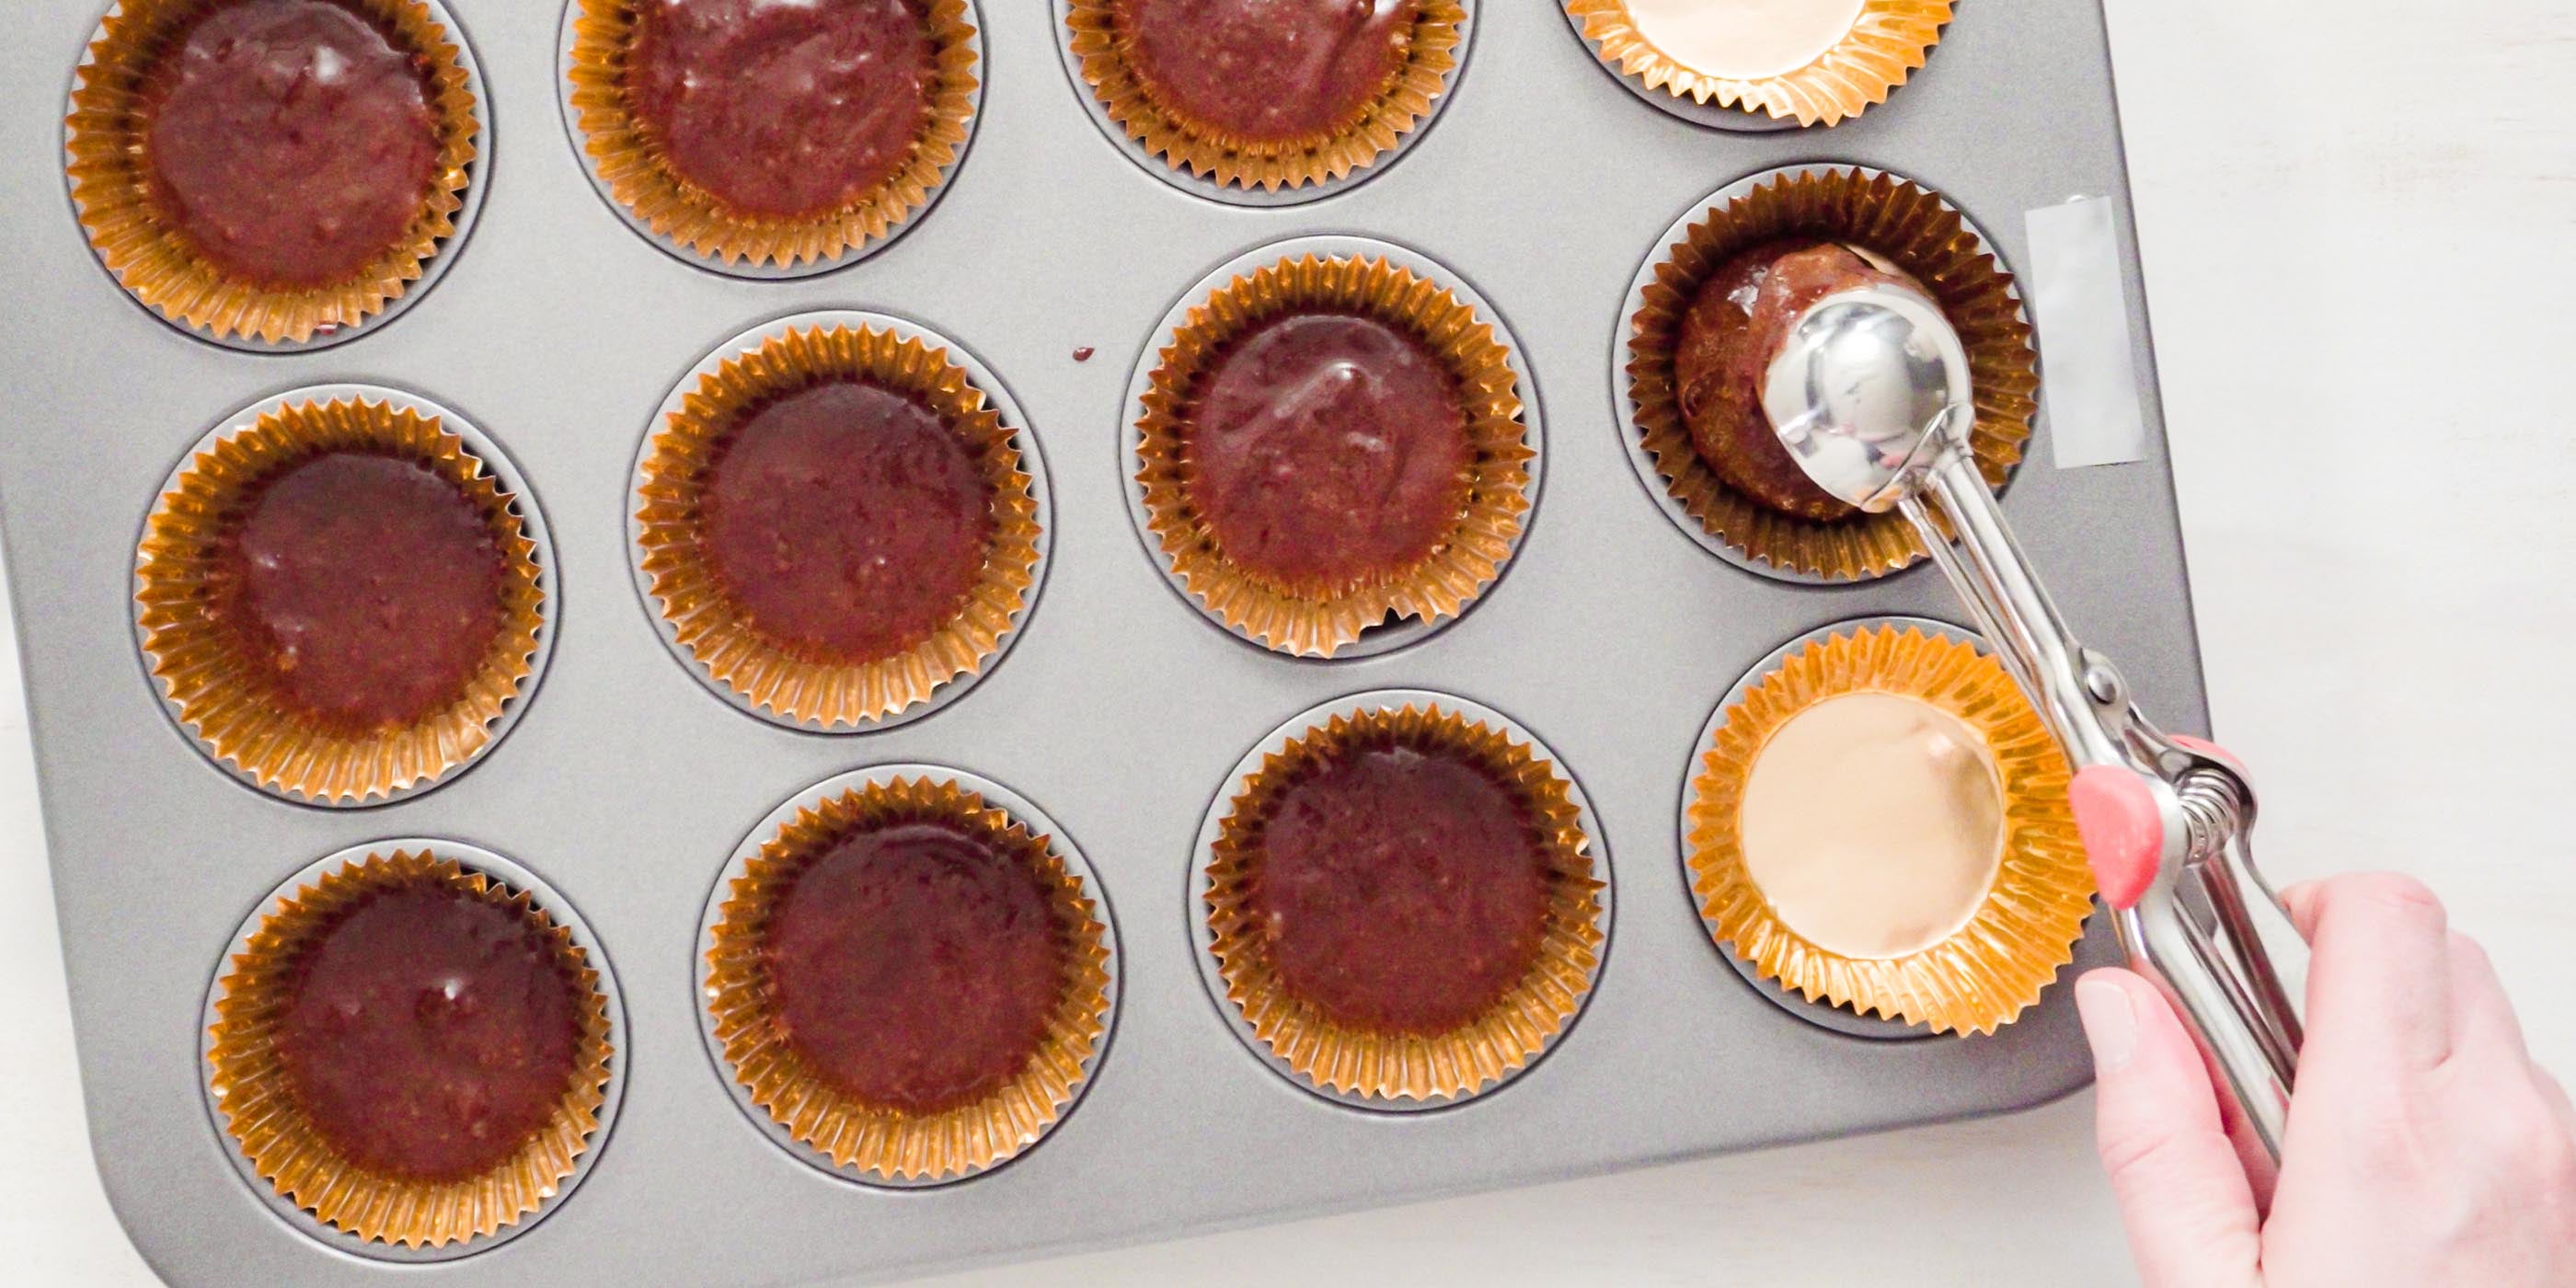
column 626, row 786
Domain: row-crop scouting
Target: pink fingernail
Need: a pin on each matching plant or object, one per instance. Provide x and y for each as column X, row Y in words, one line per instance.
column 2110, row 1023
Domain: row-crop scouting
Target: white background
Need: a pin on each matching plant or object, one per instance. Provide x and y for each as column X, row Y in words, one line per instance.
column 2359, row 225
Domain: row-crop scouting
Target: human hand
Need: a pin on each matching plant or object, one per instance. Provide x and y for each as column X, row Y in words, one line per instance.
column 2423, row 1147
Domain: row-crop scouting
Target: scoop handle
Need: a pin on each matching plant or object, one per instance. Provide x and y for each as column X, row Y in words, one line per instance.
column 2174, row 862
column 2260, row 960
column 2165, row 822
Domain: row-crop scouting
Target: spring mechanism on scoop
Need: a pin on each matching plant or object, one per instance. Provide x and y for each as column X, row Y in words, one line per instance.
column 2213, row 810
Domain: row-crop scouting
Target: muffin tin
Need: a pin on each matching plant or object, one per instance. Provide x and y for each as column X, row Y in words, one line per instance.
column 1119, row 710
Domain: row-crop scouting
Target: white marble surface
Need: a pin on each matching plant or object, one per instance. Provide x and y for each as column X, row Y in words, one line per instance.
column 2342, row 203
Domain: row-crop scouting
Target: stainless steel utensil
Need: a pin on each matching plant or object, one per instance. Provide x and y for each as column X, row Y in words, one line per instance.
column 1871, row 395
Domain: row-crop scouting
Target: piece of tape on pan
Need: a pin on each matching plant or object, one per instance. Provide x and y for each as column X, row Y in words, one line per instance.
column 2090, row 380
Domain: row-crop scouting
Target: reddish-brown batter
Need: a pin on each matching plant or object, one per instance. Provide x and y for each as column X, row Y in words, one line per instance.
column 916, row 966
column 1266, row 71
column 366, row 588
column 290, row 142
column 1400, row 889
column 782, row 109
column 429, row 1034
column 1735, row 326
column 1325, row 447
column 847, row 521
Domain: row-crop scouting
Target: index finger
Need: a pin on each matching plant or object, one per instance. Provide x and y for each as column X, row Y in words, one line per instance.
column 2379, row 971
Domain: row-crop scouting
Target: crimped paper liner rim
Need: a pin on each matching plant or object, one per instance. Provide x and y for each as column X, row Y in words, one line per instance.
column 852, row 1133
column 1472, row 1057
column 639, row 178
column 1321, row 620
column 217, row 694
column 719, row 636
column 153, row 260
column 288, row 1151
column 1888, row 40
column 1918, row 231
column 1985, row 974
column 1198, row 149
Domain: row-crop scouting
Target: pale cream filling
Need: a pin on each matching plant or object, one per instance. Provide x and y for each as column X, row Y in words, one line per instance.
column 1873, row 824
column 1744, row 39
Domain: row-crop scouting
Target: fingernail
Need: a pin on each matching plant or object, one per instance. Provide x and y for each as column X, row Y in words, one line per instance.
column 2110, row 1023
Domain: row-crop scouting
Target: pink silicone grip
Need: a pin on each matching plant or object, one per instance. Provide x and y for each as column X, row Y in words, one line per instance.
column 2212, row 750
column 2124, row 837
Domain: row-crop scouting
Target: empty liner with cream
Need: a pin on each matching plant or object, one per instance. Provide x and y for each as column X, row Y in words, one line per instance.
column 1874, row 823
column 1809, row 62
column 1878, row 821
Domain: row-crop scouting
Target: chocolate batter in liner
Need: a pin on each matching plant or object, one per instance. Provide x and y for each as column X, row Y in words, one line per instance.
column 134, row 233
column 887, row 1140
column 1915, row 230
column 713, row 623
column 1408, row 1061
column 641, row 178
column 268, row 1119
column 1888, row 40
column 1107, row 48
column 1989, row 970
column 1311, row 619
column 231, row 697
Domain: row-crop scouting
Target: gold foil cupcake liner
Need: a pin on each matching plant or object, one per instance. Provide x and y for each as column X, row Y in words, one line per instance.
column 1887, row 41
column 107, row 162
column 1991, row 969
column 1321, row 619
column 1901, row 222
column 216, row 691
column 713, row 629
column 632, row 168
column 1376, row 1066
column 259, row 1109
column 1100, row 47
column 887, row 1144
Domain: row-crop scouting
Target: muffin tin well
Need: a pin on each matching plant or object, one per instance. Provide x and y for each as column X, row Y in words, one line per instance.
column 619, row 166
column 979, row 380
column 1077, row 1071
column 550, row 1192
column 1085, row 36
column 1055, row 258
column 96, row 153
column 1394, row 632
column 274, row 772
column 1564, row 995
column 1850, row 1018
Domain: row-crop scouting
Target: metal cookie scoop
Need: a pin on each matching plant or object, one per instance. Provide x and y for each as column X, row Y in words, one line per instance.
column 1870, row 394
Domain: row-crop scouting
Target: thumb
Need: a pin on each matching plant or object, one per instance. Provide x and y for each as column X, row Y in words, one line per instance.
column 2182, row 1194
